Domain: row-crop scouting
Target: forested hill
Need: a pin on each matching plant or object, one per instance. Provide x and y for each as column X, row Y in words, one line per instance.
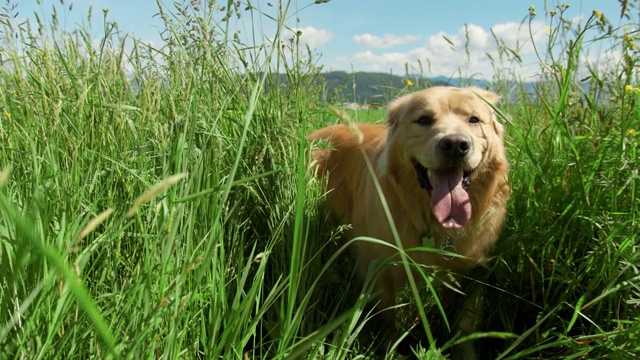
column 372, row 87
column 369, row 87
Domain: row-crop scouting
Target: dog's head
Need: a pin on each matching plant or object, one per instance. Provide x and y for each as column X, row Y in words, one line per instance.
column 448, row 135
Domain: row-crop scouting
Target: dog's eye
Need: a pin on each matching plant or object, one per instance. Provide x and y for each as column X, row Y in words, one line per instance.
column 474, row 120
column 424, row 120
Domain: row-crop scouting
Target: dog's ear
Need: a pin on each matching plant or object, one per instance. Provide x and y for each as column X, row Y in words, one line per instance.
column 499, row 128
column 487, row 95
column 395, row 111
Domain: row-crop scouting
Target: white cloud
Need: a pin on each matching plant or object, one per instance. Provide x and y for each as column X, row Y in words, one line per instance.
column 310, row 36
column 383, row 62
column 602, row 62
column 479, row 39
column 463, row 53
column 386, row 41
column 516, row 36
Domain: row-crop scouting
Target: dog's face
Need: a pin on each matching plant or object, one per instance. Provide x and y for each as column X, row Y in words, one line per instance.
column 447, row 134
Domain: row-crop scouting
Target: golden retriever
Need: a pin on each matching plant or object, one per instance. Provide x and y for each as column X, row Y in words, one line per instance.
column 441, row 167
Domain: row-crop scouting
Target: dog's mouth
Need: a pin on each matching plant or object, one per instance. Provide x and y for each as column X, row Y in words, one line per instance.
column 449, row 197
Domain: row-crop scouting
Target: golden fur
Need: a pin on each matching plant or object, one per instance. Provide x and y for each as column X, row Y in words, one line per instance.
column 416, row 125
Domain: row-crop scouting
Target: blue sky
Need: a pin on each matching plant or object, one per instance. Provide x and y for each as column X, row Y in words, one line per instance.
column 372, row 35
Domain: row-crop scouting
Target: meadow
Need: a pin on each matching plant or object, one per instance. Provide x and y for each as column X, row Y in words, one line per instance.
column 155, row 200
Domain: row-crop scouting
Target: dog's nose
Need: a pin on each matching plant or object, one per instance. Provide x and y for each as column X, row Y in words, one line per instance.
column 455, row 145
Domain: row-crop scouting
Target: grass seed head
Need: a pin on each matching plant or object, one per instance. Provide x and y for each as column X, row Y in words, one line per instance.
column 4, row 175
column 154, row 191
column 93, row 223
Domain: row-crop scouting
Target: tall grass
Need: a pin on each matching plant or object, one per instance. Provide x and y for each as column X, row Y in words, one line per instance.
column 568, row 264
column 155, row 200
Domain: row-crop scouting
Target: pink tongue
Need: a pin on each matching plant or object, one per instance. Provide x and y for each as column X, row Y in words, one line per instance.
column 450, row 201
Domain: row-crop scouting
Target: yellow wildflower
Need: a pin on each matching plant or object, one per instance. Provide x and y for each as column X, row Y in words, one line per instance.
column 632, row 45
column 597, row 14
column 625, row 37
column 7, row 114
column 630, row 132
column 409, row 82
column 628, row 89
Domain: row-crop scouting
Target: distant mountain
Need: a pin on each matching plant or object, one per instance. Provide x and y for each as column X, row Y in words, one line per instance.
column 379, row 88
column 371, row 87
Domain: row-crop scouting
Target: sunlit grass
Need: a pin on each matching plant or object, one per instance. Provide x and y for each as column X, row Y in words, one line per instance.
column 156, row 202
